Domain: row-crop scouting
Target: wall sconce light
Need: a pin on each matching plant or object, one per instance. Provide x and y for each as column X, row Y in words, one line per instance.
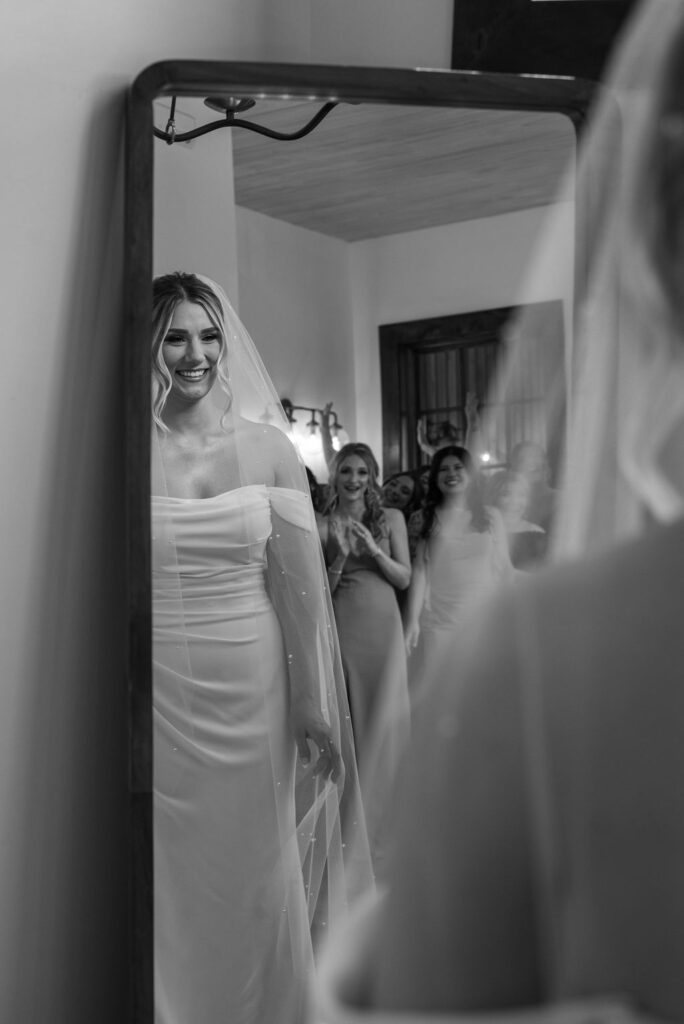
column 313, row 423
column 309, row 438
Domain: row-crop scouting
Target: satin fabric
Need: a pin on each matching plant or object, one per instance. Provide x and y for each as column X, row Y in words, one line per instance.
column 371, row 637
column 232, row 938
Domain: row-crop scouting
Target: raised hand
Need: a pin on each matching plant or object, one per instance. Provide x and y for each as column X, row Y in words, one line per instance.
column 471, row 407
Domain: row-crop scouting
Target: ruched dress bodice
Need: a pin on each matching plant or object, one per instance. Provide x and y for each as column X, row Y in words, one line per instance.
column 209, row 603
column 217, row 548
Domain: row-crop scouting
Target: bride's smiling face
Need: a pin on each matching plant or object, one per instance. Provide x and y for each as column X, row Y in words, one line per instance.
column 191, row 350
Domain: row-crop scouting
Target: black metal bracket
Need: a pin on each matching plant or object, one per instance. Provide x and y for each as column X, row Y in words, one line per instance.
column 232, row 106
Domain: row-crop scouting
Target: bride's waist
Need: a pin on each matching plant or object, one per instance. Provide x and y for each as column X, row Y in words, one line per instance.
column 202, row 583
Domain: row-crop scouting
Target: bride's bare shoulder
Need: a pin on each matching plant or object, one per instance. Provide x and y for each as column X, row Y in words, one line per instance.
column 263, row 434
column 265, row 443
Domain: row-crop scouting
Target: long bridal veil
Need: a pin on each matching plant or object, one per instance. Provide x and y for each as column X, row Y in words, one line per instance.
column 612, row 403
column 533, row 773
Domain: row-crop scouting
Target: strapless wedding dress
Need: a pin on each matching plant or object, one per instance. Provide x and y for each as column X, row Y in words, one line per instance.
column 231, row 933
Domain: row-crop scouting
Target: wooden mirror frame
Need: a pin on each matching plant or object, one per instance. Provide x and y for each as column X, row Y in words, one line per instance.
column 570, row 97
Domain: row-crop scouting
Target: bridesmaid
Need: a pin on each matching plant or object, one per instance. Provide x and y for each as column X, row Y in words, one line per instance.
column 461, row 556
column 403, row 491
column 366, row 554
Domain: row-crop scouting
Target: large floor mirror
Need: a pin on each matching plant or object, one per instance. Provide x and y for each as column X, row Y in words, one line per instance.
column 417, row 195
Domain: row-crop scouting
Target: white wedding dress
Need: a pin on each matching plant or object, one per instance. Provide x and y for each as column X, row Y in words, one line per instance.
column 231, row 931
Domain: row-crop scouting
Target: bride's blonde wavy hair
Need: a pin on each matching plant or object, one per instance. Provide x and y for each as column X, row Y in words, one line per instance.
column 168, row 291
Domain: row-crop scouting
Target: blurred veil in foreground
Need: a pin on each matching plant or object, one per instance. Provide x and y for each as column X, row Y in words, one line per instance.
column 538, row 862
column 611, row 406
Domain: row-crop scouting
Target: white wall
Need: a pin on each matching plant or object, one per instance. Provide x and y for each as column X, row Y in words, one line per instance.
column 194, row 209
column 387, row 33
column 63, row 796
column 314, row 304
column 63, row 799
column 295, row 300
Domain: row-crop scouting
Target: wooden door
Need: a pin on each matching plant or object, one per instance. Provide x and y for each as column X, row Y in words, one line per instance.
column 428, row 367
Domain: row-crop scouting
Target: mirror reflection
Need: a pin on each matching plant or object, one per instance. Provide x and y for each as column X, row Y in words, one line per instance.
column 330, row 497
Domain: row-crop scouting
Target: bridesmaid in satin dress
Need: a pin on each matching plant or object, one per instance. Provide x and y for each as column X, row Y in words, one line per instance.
column 462, row 555
column 366, row 553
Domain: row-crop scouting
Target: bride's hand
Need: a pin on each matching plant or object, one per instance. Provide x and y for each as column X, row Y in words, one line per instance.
column 307, row 724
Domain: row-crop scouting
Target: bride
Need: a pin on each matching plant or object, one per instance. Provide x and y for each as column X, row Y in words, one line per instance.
column 539, row 857
column 248, row 852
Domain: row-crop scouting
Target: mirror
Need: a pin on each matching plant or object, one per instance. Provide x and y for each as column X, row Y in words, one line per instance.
column 383, row 214
column 419, row 197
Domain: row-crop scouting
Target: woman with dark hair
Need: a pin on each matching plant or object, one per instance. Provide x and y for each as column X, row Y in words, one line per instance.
column 414, row 524
column 314, row 489
column 366, row 552
column 423, row 475
column 461, row 554
column 245, row 674
column 403, row 491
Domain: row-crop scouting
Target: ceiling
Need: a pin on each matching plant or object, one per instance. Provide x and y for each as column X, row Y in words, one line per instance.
column 368, row 170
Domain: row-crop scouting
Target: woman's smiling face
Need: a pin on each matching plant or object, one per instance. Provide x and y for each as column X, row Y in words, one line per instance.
column 352, row 478
column 398, row 491
column 191, row 350
column 452, row 476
